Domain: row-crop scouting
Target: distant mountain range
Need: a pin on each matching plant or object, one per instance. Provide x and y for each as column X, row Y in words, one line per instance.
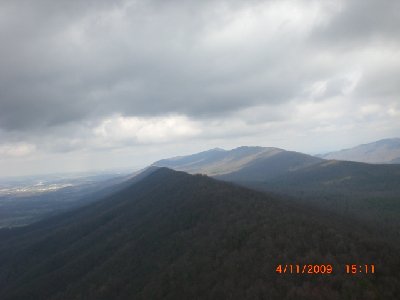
column 385, row 151
column 345, row 187
column 273, row 166
column 258, row 162
column 165, row 234
column 26, row 200
column 170, row 235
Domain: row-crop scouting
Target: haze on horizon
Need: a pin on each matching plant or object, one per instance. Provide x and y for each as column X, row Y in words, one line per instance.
column 88, row 85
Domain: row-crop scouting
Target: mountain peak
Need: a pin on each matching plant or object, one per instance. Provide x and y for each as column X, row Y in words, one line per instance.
column 217, row 149
column 216, row 162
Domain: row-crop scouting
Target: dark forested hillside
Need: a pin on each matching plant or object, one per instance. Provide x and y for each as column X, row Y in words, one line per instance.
column 267, row 168
column 177, row 236
column 366, row 192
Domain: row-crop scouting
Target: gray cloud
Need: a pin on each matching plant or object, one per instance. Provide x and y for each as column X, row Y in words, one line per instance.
column 361, row 21
column 235, row 69
column 62, row 63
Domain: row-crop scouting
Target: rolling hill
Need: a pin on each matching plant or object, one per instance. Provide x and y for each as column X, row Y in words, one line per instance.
column 274, row 167
column 385, row 151
column 258, row 162
column 170, row 235
column 365, row 191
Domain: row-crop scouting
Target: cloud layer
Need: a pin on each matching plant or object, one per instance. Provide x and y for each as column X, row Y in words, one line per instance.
column 79, row 77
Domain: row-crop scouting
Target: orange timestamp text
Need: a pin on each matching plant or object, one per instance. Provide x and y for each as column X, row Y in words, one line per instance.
column 324, row 269
column 304, row 269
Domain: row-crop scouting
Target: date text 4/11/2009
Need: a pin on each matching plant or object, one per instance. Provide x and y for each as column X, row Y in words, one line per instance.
column 324, row 269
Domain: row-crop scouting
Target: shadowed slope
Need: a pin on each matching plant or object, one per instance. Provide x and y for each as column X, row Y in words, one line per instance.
column 367, row 192
column 177, row 236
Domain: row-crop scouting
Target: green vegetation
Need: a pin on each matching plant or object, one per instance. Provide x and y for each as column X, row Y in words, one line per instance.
column 177, row 236
column 364, row 192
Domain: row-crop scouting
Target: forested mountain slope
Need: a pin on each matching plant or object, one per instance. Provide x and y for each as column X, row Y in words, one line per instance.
column 367, row 192
column 172, row 235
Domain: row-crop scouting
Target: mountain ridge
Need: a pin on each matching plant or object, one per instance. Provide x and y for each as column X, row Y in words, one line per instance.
column 171, row 235
column 214, row 163
column 364, row 191
column 385, row 151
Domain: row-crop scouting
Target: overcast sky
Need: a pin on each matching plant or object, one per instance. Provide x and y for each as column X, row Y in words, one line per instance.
column 90, row 85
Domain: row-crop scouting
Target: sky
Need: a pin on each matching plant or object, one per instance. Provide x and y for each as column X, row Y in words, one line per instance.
column 96, row 85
